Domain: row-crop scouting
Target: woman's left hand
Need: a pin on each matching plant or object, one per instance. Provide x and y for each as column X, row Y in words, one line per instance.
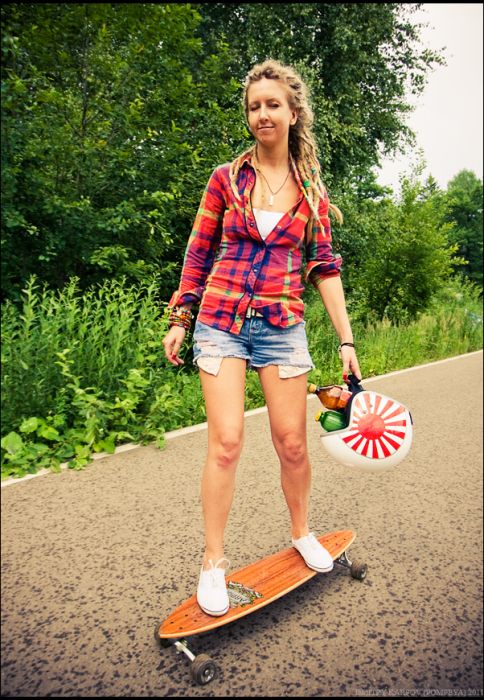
column 350, row 362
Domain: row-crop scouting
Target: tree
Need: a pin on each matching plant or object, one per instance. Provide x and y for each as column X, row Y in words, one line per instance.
column 404, row 257
column 463, row 207
column 113, row 119
column 361, row 60
column 115, row 114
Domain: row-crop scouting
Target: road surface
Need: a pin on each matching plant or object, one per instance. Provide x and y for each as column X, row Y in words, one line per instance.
column 93, row 560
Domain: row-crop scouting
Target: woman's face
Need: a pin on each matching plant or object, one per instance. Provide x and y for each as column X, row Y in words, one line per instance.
column 268, row 112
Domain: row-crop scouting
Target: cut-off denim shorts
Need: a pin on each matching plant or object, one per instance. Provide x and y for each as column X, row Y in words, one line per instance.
column 259, row 342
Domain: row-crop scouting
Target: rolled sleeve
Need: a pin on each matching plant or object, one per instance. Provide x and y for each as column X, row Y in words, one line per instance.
column 202, row 245
column 321, row 262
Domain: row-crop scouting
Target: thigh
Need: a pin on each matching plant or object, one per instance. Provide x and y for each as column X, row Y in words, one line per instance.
column 286, row 401
column 285, row 347
column 211, row 346
column 224, row 396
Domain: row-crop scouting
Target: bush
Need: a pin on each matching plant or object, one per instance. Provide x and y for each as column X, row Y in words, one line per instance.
column 400, row 255
column 84, row 373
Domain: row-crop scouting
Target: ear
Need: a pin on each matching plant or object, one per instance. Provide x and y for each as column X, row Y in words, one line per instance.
column 294, row 117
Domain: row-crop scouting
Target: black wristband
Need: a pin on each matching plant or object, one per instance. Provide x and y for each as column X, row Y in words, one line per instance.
column 350, row 345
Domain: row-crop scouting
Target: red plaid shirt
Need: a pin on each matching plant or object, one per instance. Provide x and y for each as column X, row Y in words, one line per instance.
column 229, row 267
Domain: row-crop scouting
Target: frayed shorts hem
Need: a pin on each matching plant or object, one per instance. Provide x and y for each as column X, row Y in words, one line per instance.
column 212, row 365
column 259, row 343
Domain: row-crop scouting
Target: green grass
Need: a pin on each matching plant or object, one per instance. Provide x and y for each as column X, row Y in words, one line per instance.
column 451, row 326
column 84, row 372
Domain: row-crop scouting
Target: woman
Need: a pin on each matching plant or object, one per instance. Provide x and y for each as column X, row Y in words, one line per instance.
column 243, row 261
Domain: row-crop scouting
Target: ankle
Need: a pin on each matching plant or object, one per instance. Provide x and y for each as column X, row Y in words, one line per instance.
column 297, row 533
column 211, row 556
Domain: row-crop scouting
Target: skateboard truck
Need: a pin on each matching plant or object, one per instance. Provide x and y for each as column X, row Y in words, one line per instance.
column 357, row 570
column 202, row 668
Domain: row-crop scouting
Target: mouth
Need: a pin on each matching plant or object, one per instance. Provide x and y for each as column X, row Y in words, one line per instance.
column 265, row 128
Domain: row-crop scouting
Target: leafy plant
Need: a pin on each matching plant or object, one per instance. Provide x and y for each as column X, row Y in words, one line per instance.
column 96, row 405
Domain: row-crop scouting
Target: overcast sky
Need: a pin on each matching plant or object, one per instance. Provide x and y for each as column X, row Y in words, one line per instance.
column 448, row 119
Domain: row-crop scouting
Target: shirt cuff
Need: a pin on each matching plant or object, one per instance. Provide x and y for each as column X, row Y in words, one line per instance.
column 319, row 270
column 189, row 296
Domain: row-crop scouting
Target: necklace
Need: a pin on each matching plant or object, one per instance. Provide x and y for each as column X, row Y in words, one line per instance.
column 273, row 194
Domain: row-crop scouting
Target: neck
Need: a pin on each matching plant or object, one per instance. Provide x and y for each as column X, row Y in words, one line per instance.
column 274, row 158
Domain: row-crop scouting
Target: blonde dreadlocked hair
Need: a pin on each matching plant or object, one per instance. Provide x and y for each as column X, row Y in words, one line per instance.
column 302, row 144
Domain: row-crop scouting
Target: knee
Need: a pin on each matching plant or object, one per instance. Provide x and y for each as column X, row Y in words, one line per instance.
column 227, row 448
column 292, row 449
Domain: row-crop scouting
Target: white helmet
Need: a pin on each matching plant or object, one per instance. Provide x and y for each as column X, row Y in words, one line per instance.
column 378, row 434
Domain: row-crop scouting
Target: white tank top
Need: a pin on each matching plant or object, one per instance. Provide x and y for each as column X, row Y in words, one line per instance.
column 267, row 220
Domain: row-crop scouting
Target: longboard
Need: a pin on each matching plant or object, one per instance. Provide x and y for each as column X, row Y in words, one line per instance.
column 250, row 589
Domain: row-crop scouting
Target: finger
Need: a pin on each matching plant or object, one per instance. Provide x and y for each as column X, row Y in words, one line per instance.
column 172, row 344
column 347, row 359
column 346, row 371
column 170, row 352
column 174, row 359
column 355, row 368
column 175, row 347
column 168, row 346
column 174, row 353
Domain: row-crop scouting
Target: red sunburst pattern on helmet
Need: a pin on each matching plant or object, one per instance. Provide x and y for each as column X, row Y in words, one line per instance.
column 378, row 425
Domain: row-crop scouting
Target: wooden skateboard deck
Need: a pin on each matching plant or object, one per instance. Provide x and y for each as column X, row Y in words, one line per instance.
column 250, row 589
column 253, row 587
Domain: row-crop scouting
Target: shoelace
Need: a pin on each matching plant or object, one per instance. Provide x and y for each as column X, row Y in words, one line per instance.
column 216, row 579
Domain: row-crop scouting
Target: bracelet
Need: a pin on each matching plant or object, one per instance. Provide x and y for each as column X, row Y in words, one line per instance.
column 350, row 345
column 180, row 316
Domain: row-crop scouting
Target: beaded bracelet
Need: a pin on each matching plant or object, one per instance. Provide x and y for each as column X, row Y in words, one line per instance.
column 180, row 316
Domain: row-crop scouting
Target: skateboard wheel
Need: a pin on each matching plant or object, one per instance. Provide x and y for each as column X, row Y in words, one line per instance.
column 358, row 570
column 202, row 669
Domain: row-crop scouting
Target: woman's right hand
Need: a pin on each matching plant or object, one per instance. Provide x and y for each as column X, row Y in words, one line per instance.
column 172, row 343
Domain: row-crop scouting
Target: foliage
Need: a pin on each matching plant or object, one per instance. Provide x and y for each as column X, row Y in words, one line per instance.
column 114, row 115
column 102, row 380
column 463, row 207
column 91, row 372
column 398, row 252
column 360, row 59
column 106, row 142
column 451, row 325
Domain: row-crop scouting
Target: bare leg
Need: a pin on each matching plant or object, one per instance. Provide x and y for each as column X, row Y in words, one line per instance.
column 224, row 401
column 286, row 403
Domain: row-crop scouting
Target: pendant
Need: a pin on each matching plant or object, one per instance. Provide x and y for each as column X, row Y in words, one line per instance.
column 271, row 200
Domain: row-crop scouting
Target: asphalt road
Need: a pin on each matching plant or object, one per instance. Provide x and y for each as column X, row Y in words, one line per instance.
column 92, row 561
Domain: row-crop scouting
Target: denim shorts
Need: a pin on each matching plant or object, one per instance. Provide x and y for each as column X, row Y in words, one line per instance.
column 259, row 342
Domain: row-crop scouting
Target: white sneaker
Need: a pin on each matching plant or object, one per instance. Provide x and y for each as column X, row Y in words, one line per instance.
column 313, row 553
column 212, row 594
